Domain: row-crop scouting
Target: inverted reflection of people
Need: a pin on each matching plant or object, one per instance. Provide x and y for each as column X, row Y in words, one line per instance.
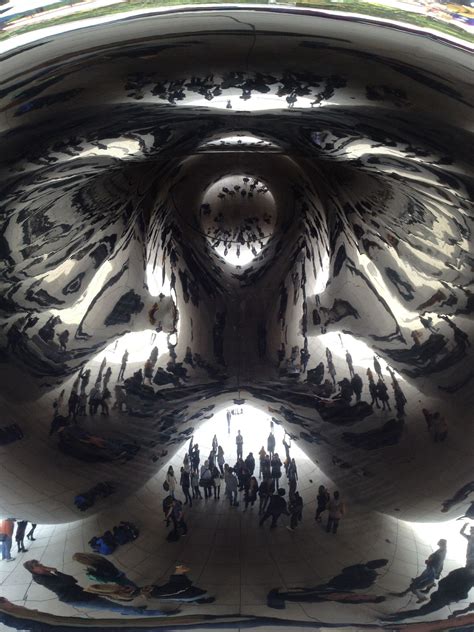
column 339, row 588
column 123, row 366
column 239, row 442
column 470, row 546
column 336, row 510
column 178, row 588
column 20, row 535
column 322, row 500
column 229, row 417
column 67, row 589
column 421, row 583
column 276, row 507
column 6, row 538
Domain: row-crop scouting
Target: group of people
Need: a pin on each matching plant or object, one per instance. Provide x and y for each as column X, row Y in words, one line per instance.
column 7, row 530
column 262, row 488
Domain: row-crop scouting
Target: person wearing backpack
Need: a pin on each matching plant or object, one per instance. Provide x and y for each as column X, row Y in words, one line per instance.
column 336, row 511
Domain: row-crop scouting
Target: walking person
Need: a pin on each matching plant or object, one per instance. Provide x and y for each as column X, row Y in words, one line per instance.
column 296, row 511
column 336, row 511
column 171, row 480
column 276, row 507
column 322, row 500
column 20, row 535
column 239, row 442
column 185, row 482
column 175, row 513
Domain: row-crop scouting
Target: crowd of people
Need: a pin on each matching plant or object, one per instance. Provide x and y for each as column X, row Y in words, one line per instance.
column 248, row 482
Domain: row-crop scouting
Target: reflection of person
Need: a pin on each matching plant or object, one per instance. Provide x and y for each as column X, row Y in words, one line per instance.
column 101, row 570
column 239, row 441
column 20, row 536
column 68, row 591
column 123, row 366
column 336, row 511
column 178, row 588
column 470, row 547
column 323, row 499
column 6, row 535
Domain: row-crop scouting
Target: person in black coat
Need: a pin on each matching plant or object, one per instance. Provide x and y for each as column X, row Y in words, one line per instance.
column 276, row 507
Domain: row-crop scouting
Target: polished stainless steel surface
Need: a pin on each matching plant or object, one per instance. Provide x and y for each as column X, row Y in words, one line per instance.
column 240, row 207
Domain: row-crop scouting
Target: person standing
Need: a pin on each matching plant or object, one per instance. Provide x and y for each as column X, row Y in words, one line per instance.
column 6, row 537
column 220, row 459
column 436, row 560
column 356, row 383
column 350, row 364
column 276, row 469
column 206, row 480
column 20, row 535
column 239, row 441
column 171, row 480
column 322, row 499
column 373, row 391
column 216, row 475
column 229, row 417
column 123, row 366
column 185, row 482
column 378, row 368
column 250, row 463
column 262, row 455
column 296, row 511
column 251, row 493
column 271, row 444
column 336, row 511
column 470, row 547
column 231, row 486
column 292, row 478
column 195, row 485
column 287, row 446
column 276, row 507
column 382, row 394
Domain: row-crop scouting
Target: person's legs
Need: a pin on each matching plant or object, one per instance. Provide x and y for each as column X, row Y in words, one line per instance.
column 294, row 520
column 335, row 525
column 264, row 518
column 183, row 526
column 6, row 548
column 274, row 520
column 329, row 524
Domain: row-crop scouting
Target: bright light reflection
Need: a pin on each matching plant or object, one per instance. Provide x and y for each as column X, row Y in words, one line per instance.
column 362, row 354
column 431, row 532
column 138, row 344
column 154, row 281
column 254, row 425
column 254, row 104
